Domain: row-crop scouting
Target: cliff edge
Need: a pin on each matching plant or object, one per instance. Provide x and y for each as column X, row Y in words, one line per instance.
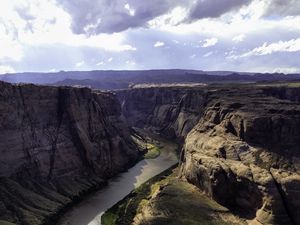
column 57, row 143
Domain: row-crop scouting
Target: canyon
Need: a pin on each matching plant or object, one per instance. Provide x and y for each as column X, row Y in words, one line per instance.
column 57, row 143
column 240, row 146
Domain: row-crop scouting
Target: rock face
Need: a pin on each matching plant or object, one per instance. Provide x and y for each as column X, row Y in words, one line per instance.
column 244, row 153
column 241, row 143
column 55, row 144
column 172, row 112
column 291, row 93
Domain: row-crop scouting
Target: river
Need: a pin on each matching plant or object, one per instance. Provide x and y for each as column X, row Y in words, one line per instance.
column 90, row 210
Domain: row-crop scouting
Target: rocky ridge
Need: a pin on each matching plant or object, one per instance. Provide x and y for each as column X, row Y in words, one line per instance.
column 244, row 154
column 241, row 149
column 56, row 144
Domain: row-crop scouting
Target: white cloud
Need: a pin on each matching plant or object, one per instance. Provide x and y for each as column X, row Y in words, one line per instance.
column 6, row 69
column 172, row 18
column 287, row 70
column 130, row 10
column 10, row 50
column 208, row 54
column 80, row 64
column 53, row 70
column 34, row 31
column 159, row 44
column 209, row 42
column 101, row 63
column 131, row 62
column 281, row 46
column 110, row 59
column 239, row 38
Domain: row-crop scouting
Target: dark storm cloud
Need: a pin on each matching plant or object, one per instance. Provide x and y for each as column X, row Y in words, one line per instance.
column 283, row 8
column 108, row 16
column 214, row 8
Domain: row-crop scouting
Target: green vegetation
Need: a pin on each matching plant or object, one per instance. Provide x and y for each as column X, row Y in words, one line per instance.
column 108, row 218
column 181, row 203
column 125, row 210
column 172, row 201
column 153, row 151
column 6, row 223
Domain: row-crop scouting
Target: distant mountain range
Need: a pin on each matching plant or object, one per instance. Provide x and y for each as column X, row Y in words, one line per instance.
column 123, row 79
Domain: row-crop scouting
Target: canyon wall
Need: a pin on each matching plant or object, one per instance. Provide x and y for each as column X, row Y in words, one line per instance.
column 170, row 111
column 244, row 153
column 241, row 145
column 57, row 143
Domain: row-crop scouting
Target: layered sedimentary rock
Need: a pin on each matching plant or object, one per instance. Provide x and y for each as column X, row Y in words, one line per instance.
column 55, row 144
column 241, row 143
column 171, row 111
column 244, row 153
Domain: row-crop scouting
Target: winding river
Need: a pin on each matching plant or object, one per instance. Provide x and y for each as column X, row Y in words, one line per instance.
column 89, row 211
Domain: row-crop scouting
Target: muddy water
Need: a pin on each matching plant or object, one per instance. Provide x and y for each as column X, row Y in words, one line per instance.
column 89, row 211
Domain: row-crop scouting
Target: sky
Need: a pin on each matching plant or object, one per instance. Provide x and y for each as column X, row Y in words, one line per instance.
column 235, row 35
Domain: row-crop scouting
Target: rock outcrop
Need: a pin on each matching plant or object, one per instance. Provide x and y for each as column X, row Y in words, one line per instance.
column 244, row 153
column 241, row 143
column 57, row 143
column 170, row 111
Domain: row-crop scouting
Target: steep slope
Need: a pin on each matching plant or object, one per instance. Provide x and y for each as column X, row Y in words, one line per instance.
column 241, row 146
column 172, row 112
column 55, row 145
column 244, row 153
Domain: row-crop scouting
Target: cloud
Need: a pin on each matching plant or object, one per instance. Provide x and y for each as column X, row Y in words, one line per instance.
column 6, row 69
column 210, row 42
column 214, row 8
column 40, row 35
column 207, row 54
column 281, row 46
column 80, row 64
column 283, row 7
column 239, row 38
column 158, row 44
column 109, row 16
column 287, row 70
column 101, row 63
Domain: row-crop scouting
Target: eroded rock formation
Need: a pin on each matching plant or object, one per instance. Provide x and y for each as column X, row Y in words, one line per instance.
column 243, row 149
column 244, row 153
column 241, row 145
column 172, row 112
column 55, row 144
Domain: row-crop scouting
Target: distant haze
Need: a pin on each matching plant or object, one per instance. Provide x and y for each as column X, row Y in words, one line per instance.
column 110, row 80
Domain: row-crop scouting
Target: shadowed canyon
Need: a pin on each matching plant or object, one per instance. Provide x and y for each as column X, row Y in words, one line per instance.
column 239, row 147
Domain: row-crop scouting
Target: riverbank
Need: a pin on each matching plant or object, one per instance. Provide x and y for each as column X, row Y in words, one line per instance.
column 125, row 210
column 90, row 210
column 166, row 199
